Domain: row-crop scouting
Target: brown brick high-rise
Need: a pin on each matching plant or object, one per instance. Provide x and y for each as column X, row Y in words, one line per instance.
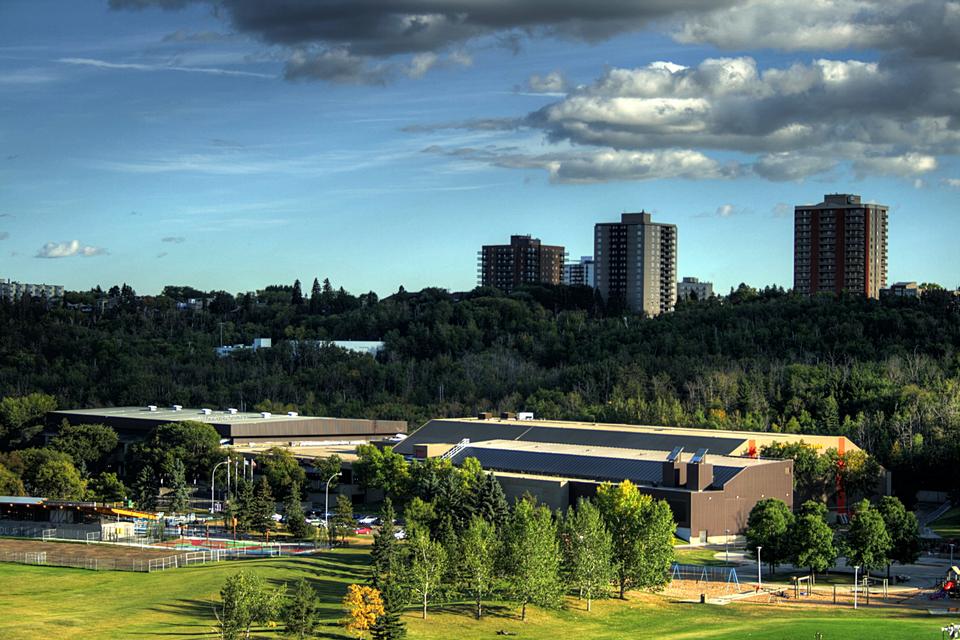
column 840, row 245
column 524, row 261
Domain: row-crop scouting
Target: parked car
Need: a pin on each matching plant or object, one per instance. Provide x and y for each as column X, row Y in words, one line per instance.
column 360, row 531
column 367, row 520
column 400, row 534
column 277, row 517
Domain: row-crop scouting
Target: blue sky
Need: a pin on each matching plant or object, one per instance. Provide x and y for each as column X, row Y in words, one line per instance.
column 196, row 142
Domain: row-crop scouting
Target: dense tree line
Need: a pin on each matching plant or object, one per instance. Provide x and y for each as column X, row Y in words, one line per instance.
column 461, row 540
column 884, row 373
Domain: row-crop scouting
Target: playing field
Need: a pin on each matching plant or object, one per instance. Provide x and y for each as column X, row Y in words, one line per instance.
column 45, row 603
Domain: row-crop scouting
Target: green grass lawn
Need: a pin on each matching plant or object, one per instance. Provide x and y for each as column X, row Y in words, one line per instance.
column 52, row 603
column 948, row 525
column 702, row 557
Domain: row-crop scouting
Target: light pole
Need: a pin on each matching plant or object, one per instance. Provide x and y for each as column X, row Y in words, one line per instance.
column 759, row 573
column 726, row 547
column 326, row 505
column 856, row 585
column 951, row 553
column 213, row 479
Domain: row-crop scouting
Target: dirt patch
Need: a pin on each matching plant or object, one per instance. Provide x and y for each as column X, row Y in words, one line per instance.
column 85, row 556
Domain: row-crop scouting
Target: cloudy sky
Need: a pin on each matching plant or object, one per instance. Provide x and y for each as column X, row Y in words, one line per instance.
column 237, row 143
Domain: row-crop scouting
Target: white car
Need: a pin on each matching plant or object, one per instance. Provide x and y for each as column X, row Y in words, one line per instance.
column 399, row 534
column 368, row 520
column 277, row 517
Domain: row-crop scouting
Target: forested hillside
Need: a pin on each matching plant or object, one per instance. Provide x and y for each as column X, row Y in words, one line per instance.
column 884, row 373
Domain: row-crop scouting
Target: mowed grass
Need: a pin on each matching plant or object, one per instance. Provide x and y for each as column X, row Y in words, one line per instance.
column 948, row 526
column 49, row 602
column 53, row 603
column 702, row 557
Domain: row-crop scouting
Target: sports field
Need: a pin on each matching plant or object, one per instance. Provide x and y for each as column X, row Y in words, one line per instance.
column 46, row 602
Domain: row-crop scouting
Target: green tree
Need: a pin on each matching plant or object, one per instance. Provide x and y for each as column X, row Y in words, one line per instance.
column 811, row 539
column 293, row 515
column 246, row 600
column 532, row 557
column 179, row 491
column 10, row 483
column 343, row 523
column 642, row 530
column 87, row 444
column 197, row 444
column 589, row 551
column 327, row 468
column 21, row 418
column 315, row 302
column 296, row 296
column 867, row 540
column 393, row 593
column 768, row 526
column 246, row 505
column 107, row 487
column 262, row 508
column 489, row 501
column 58, row 480
column 301, row 613
column 428, row 562
column 479, row 548
column 383, row 553
column 145, row 489
column 903, row 528
column 419, row 514
column 281, row 470
column 382, row 469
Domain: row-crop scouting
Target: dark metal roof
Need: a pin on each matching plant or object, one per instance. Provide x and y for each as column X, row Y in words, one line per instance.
column 451, row 431
column 564, row 465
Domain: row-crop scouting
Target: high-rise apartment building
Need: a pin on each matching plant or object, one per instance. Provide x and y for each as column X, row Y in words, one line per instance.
column 524, row 261
column 840, row 245
column 693, row 289
column 636, row 262
column 582, row 273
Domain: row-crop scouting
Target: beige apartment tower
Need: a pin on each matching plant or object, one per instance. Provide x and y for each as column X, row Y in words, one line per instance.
column 636, row 263
column 840, row 245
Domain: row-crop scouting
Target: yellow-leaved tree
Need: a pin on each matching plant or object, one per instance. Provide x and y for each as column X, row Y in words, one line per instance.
column 364, row 605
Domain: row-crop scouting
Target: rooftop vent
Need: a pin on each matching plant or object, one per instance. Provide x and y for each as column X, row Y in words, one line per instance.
column 484, row 415
column 177, row 407
column 525, row 415
column 151, row 407
column 206, row 412
column 292, row 414
column 266, row 414
column 232, row 411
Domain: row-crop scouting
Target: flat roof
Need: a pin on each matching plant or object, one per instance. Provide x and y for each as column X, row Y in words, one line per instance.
column 168, row 414
column 625, row 436
column 595, row 463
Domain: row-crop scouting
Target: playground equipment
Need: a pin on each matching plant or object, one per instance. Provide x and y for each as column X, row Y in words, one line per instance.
column 950, row 587
column 950, row 631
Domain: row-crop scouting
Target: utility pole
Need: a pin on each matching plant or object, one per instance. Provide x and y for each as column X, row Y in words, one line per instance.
column 759, row 571
column 856, row 585
column 326, row 505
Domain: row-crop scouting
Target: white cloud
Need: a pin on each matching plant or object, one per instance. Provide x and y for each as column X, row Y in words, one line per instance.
column 553, row 82
column 908, row 164
column 69, row 249
column 953, row 183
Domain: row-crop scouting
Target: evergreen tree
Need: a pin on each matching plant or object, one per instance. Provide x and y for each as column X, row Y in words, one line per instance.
column 296, row 297
column 390, row 626
column 343, row 523
column 145, row 489
column 383, row 553
column 315, row 302
column 263, row 507
column 246, row 505
column 293, row 515
column 180, row 495
column 300, row 615
column 489, row 501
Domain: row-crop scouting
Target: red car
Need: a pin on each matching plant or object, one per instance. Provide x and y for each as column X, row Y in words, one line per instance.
column 363, row 531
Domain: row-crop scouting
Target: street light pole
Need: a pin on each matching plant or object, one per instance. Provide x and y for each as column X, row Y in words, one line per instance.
column 759, row 572
column 856, row 585
column 326, row 504
column 951, row 554
column 213, row 479
column 726, row 547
